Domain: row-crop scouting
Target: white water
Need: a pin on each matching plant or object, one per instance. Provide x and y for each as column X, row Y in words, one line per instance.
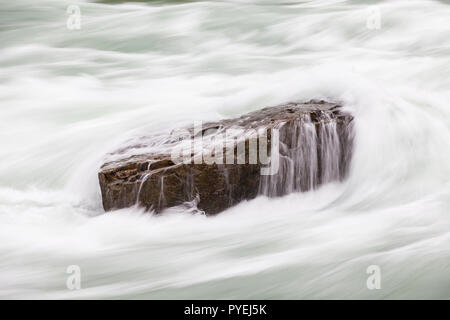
column 69, row 96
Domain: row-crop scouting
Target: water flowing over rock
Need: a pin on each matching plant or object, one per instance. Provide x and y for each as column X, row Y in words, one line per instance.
column 274, row 151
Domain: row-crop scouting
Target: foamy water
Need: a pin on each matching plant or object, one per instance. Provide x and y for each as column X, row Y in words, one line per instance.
column 70, row 96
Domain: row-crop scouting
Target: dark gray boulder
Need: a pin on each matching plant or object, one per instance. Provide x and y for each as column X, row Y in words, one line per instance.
column 308, row 144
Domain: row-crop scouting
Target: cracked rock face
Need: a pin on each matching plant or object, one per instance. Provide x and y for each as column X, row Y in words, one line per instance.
column 274, row 151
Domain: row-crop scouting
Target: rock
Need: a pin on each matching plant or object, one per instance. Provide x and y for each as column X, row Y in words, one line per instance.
column 308, row 144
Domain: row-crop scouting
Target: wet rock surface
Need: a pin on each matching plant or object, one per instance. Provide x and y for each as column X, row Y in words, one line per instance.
column 313, row 141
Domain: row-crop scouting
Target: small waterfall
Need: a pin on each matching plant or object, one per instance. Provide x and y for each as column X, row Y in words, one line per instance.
column 311, row 153
column 162, row 199
column 146, row 176
column 329, row 154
